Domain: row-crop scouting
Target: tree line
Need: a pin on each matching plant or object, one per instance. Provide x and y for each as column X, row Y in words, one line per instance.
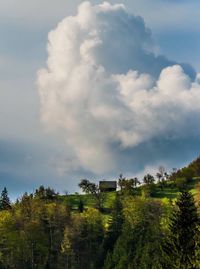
column 43, row 230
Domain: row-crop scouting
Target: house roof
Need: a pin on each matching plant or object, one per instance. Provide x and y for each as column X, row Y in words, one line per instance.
column 108, row 184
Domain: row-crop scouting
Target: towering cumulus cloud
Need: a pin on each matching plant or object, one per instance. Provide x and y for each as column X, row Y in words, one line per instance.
column 111, row 95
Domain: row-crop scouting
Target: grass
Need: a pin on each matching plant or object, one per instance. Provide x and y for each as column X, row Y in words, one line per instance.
column 166, row 193
column 88, row 200
column 169, row 192
column 74, row 199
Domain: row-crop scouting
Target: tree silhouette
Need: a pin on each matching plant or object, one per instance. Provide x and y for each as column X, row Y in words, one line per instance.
column 5, row 203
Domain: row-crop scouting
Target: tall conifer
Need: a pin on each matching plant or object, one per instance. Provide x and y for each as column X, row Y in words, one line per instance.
column 4, row 200
column 182, row 246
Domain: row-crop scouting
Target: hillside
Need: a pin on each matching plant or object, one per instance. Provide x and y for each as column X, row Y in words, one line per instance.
column 186, row 177
column 168, row 191
column 128, row 228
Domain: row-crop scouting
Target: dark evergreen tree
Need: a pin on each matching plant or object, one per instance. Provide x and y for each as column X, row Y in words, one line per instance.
column 40, row 192
column 182, row 246
column 114, row 229
column 5, row 203
column 80, row 206
column 115, row 224
column 50, row 194
column 46, row 194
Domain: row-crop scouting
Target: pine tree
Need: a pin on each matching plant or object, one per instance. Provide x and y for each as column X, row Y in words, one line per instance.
column 114, row 231
column 4, row 200
column 182, row 245
column 80, row 206
column 116, row 222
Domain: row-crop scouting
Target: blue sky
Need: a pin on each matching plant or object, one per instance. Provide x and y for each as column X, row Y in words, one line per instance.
column 30, row 154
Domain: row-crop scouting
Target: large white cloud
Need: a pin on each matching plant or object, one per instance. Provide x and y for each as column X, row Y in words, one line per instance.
column 108, row 91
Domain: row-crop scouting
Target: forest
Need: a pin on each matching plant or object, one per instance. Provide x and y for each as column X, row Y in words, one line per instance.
column 148, row 223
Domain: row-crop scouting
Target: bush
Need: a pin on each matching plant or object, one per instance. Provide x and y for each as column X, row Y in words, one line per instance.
column 181, row 183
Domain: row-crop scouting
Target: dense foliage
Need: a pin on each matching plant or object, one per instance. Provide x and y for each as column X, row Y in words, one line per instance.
column 133, row 228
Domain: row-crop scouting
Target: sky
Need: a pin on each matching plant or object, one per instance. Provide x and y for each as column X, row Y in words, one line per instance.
column 95, row 89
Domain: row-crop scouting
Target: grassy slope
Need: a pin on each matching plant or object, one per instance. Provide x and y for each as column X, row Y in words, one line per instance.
column 88, row 200
column 167, row 192
column 172, row 192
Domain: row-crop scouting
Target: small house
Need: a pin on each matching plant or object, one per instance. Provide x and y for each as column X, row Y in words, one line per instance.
column 107, row 186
